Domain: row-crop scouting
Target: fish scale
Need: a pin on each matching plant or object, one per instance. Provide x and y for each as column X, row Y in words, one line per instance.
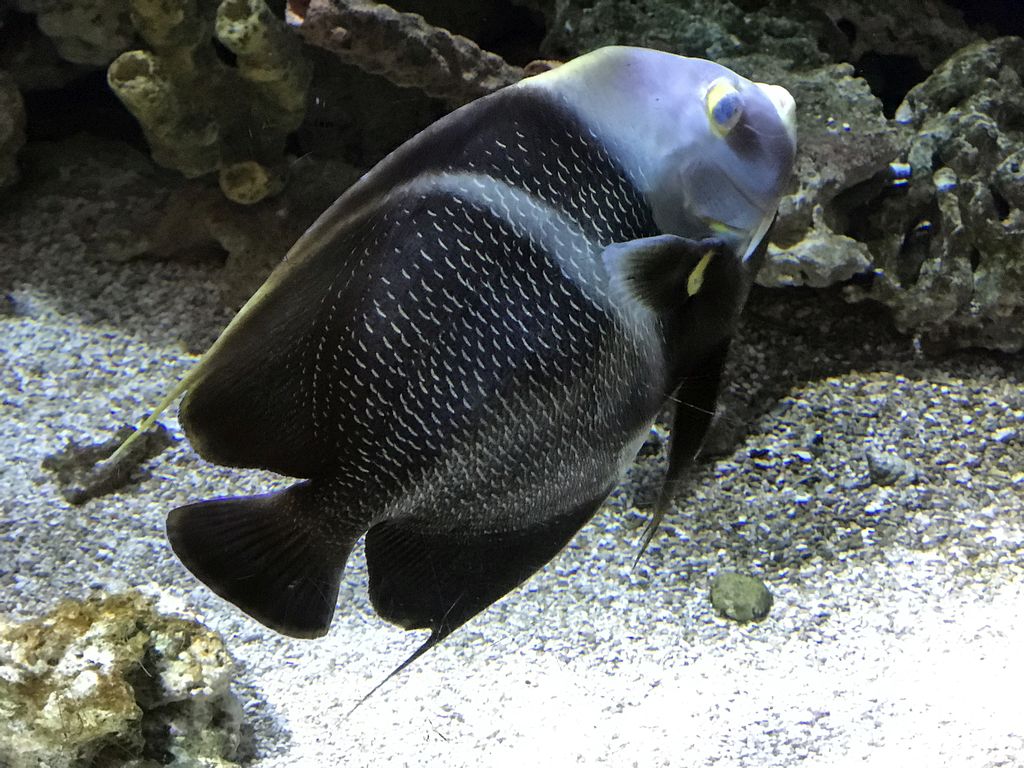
column 506, row 332
column 463, row 354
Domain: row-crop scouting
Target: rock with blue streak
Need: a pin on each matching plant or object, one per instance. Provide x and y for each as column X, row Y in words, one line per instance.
column 461, row 357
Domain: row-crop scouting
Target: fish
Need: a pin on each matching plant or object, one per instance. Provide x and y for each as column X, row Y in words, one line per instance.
column 461, row 357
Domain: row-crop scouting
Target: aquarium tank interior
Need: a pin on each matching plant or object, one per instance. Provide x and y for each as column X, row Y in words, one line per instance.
column 511, row 382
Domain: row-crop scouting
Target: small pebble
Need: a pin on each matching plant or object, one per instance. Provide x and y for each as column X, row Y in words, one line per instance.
column 740, row 598
column 1005, row 435
column 888, row 468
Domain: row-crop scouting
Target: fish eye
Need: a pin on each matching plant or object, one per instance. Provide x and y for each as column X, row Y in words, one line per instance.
column 724, row 106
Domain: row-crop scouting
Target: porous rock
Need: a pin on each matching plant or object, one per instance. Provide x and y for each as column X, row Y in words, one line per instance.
column 84, row 31
column 110, row 194
column 797, row 33
column 922, row 31
column 109, row 681
column 844, row 142
column 31, row 57
column 949, row 250
column 707, row 28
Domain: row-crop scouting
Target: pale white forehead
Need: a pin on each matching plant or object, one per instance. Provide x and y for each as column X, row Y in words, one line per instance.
column 624, row 74
column 635, row 99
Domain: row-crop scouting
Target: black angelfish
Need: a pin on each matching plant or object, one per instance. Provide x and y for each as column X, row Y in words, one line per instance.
column 463, row 354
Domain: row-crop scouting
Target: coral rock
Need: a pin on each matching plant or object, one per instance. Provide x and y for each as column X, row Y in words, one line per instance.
column 922, row 30
column 201, row 114
column 84, row 31
column 109, row 681
column 110, row 194
column 820, row 259
column 949, row 251
column 714, row 29
column 402, row 47
column 845, row 143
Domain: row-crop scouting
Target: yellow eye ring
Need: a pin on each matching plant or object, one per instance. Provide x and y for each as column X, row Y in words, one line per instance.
column 724, row 106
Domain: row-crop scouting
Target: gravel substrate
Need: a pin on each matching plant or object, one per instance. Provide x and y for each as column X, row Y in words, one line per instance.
column 878, row 492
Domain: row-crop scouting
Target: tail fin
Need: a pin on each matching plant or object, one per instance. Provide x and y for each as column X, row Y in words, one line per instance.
column 275, row 556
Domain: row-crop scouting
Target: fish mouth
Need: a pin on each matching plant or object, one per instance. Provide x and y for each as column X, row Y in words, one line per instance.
column 747, row 198
column 746, row 240
column 747, row 235
column 753, row 205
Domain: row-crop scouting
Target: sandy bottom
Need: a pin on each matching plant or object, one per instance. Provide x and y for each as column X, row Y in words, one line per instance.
column 898, row 623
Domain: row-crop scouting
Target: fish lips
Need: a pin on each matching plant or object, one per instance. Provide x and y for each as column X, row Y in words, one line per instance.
column 711, row 190
column 733, row 198
column 711, row 202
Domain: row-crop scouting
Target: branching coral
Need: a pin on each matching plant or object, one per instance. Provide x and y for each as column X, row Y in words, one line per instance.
column 201, row 114
column 402, row 47
column 83, row 31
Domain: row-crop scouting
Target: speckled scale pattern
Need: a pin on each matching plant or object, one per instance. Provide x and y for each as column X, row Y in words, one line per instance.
column 458, row 359
column 563, row 164
column 508, row 369
column 473, row 376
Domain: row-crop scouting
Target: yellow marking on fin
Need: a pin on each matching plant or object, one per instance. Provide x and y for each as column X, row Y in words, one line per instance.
column 696, row 279
column 720, row 228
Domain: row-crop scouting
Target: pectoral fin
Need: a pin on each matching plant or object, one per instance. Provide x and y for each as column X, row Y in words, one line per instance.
column 660, row 272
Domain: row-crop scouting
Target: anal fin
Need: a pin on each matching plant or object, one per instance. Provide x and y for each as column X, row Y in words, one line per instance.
column 263, row 554
column 424, row 579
